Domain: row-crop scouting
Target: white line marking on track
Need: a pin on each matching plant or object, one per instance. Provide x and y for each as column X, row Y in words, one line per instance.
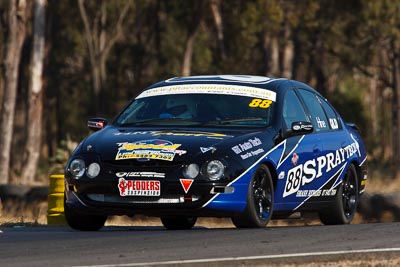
column 277, row 256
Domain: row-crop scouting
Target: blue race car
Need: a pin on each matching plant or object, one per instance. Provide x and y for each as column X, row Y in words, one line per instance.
column 246, row 147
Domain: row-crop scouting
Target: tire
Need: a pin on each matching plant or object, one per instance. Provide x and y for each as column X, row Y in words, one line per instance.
column 260, row 201
column 178, row 223
column 81, row 221
column 346, row 200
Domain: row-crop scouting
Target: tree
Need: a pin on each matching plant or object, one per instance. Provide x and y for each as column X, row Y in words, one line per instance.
column 196, row 17
column 35, row 98
column 15, row 40
column 377, row 41
column 101, row 35
column 215, row 6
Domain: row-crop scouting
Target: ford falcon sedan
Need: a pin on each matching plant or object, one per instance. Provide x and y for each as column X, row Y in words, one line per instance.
column 249, row 148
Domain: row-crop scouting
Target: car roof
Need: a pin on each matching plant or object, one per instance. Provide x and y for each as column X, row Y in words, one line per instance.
column 275, row 84
column 243, row 80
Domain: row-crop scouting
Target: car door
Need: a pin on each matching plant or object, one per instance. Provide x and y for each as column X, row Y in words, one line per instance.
column 295, row 171
column 332, row 140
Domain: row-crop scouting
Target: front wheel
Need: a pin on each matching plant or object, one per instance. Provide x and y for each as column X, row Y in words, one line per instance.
column 81, row 221
column 260, row 201
column 345, row 204
column 178, row 223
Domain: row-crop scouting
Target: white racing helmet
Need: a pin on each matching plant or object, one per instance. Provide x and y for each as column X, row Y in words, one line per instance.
column 181, row 106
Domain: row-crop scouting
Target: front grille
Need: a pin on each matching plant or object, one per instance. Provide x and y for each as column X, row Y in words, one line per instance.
column 151, row 165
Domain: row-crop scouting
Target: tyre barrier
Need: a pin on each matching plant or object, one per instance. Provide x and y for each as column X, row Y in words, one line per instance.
column 55, row 211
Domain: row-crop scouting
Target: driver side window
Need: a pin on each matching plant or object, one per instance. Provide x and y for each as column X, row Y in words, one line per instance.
column 292, row 109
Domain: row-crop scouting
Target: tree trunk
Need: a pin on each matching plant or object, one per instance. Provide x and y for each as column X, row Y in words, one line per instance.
column 373, row 101
column 15, row 40
column 266, row 53
column 319, row 60
column 297, row 51
column 396, row 105
column 286, row 53
column 187, row 57
column 274, row 64
column 99, row 43
column 35, row 98
column 192, row 30
column 216, row 14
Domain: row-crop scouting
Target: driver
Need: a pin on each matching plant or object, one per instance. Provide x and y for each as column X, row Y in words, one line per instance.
column 179, row 107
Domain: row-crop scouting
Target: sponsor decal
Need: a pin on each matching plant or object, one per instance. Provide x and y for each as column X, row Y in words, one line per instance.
column 334, row 124
column 140, row 174
column 139, row 187
column 295, row 158
column 313, row 169
column 246, row 145
column 296, row 127
column 321, row 123
column 206, row 149
column 188, row 134
column 243, row 148
column 281, row 175
column 96, row 124
column 220, row 89
column 149, row 149
column 316, row 193
column 186, row 184
column 260, row 103
column 301, row 126
column 252, row 153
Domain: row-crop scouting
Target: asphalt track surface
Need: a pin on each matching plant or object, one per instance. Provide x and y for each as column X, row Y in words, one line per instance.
column 155, row 246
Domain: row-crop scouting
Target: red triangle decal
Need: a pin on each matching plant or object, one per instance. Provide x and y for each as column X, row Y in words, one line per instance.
column 186, row 184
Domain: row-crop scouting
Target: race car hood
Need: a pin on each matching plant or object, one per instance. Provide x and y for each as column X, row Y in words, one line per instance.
column 113, row 143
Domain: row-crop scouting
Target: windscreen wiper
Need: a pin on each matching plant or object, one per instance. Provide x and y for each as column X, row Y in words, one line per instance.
column 236, row 120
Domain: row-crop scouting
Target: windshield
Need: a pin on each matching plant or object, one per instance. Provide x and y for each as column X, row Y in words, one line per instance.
column 197, row 109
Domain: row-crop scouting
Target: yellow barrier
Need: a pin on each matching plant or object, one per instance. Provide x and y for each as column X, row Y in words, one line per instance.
column 55, row 211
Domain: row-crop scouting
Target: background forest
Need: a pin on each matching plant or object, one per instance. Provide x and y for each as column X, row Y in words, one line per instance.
column 65, row 61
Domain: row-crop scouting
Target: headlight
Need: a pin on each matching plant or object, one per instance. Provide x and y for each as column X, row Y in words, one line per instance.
column 215, row 170
column 93, row 170
column 77, row 168
column 191, row 171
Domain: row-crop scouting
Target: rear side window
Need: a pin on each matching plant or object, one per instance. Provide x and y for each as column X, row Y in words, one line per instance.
column 334, row 123
column 293, row 110
column 317, row 113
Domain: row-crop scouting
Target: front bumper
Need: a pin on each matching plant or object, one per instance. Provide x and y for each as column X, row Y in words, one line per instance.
column 172, row 202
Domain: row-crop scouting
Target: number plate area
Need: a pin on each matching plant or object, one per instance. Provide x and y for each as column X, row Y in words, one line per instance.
column 150, row 188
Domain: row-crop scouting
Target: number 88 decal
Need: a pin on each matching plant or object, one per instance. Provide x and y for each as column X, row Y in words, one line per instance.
column 260, row 103
column 293, row 180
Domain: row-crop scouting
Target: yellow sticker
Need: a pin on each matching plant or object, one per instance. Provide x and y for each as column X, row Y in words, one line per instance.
column 260, row 103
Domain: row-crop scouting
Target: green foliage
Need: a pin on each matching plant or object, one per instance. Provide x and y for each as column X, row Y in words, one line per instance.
column 339, row 46
column 349, row 102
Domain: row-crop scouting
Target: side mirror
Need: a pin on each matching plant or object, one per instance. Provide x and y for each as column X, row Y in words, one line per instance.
column 301, row 127
column 96, row 124
column 298, row 128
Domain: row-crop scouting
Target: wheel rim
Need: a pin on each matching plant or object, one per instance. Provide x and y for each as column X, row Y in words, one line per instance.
column 349, row 194
column 262, row 195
